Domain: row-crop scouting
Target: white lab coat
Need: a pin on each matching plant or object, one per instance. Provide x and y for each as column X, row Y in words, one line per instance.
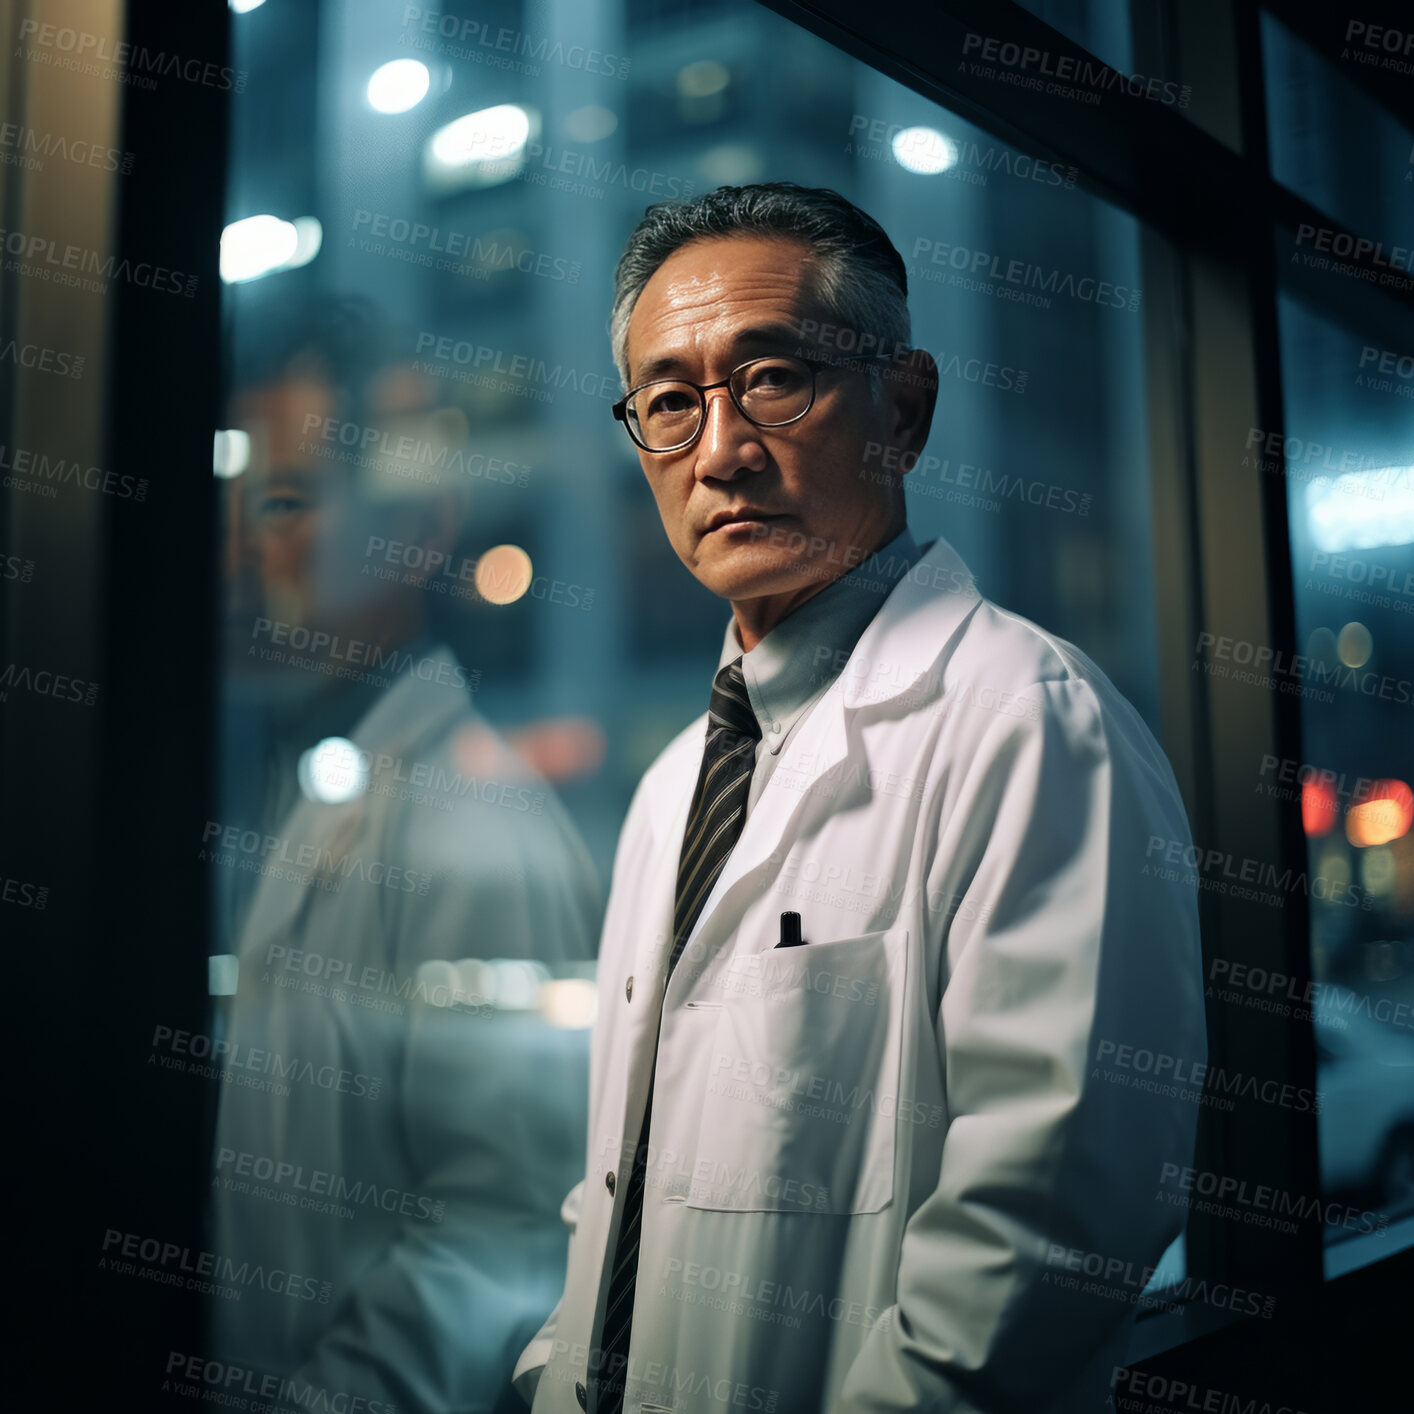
column 868, row 1152
column 410, row 1201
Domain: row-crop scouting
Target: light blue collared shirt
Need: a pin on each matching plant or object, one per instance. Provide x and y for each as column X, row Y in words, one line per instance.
column 788, row 671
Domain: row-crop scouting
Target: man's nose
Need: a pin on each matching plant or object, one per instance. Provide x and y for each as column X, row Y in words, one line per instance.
column 730, row 442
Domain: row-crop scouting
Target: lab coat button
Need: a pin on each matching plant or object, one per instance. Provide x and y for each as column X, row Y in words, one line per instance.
column 628, row 989
column 609, row 1181
column 581, row 1395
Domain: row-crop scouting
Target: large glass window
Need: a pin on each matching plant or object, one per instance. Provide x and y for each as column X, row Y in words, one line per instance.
column 455, row 632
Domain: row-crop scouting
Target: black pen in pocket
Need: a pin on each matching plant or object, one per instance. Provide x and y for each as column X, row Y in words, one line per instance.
column 790, row 931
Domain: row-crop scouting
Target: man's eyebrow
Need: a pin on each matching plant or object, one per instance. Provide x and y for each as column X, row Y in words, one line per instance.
column 785, row 336
column 304, row 477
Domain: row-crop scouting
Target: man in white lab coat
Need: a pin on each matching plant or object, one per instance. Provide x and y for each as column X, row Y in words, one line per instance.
column 873, row 1171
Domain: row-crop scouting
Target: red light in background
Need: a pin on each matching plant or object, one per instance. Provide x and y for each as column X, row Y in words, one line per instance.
column 1319, row 808
column 561, row 748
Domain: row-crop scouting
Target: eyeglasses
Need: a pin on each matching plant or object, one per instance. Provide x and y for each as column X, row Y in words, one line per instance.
column 668, row 414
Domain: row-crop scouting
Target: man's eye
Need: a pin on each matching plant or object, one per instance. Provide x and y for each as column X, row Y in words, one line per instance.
column 774, row 378
column 282, row 505
column 663, row 404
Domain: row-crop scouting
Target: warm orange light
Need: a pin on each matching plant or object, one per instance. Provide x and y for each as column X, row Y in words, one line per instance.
column 1319, row 808
column 503, row 574
column 1385, row 813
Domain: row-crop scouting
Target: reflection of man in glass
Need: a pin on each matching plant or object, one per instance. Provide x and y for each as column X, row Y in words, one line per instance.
column 379, row 845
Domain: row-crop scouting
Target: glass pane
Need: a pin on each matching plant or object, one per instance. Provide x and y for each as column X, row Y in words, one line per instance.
column 1332, row 144
column 1030, row 471
column 1142, row 49
column 1348, row 458
column 1104, row 27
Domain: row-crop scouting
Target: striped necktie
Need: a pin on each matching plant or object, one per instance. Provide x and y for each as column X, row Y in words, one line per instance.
column 713, row 825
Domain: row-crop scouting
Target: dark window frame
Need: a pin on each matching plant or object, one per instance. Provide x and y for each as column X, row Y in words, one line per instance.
column 1221, row 542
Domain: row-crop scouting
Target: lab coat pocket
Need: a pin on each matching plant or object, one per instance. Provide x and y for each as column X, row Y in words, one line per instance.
column 802, row 1087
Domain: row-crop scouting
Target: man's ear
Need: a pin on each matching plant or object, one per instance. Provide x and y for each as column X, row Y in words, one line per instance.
column 911, row 386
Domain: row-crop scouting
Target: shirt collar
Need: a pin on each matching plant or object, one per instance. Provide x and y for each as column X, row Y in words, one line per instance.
column 808, row 649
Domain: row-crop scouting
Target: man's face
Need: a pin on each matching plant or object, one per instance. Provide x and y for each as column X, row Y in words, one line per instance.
column 297, row 531
column 710, row 306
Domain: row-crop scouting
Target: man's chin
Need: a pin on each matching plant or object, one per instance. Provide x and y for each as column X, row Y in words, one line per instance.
column 748, row 572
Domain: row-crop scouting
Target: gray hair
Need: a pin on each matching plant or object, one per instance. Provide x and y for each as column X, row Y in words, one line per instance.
column 856, row 274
